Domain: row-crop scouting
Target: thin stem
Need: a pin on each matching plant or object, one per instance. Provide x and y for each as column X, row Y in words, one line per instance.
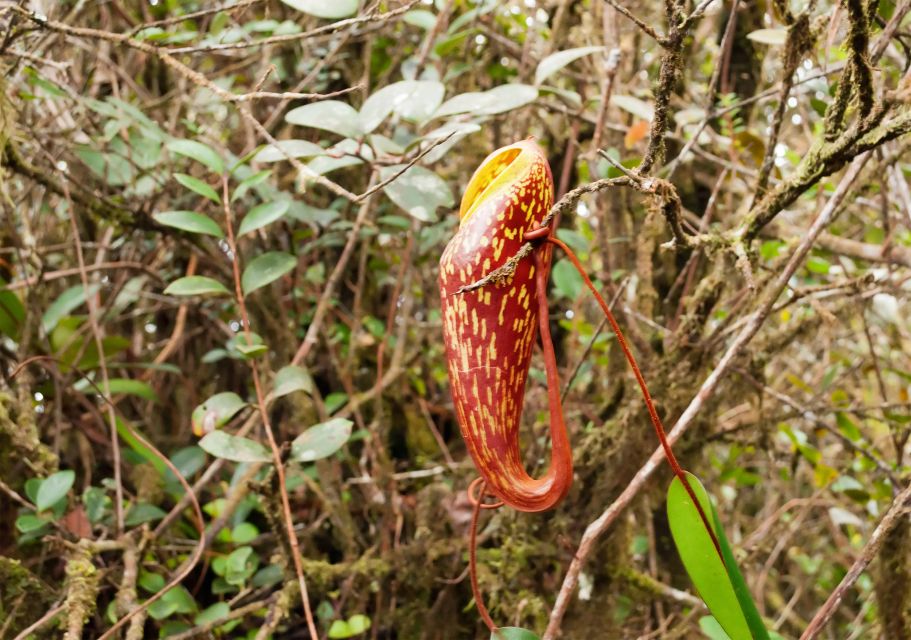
column 264, row 414
column 473, row 560
column 646, row 396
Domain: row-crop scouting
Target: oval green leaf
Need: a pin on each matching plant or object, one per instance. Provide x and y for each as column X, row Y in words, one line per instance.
column 212, row 614
column 321, row 440
column 329, row 115
column 29, row 522
column 120, row 386
column 414, row 100
column 639, row 108
column 215, row 412
column 500, row 99
column 418, row 191
column 234, row 448
column 700, row 558
column 556, row 61
column 513, row 633
column 66, row 302
column 143, row 512
column 189, row 221
column 251, row 181
column 346, row 153
column 263, row 214
column 12, row 312
column 285, row 149
column 54, row 488
column 290, row 379
column 196, row 286
column 775, row 37
column 197, row 151
column 197, row 186
column 266, row 268
column 420, row 18
column 330, row 9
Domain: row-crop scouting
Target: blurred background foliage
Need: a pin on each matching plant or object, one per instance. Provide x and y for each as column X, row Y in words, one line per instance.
column 135, row 133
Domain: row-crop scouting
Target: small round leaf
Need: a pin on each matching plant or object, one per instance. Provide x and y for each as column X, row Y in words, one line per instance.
column 54, row 488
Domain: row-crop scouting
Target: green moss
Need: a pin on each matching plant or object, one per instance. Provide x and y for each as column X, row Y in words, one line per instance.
column 82, row 578
column 19, row 441
column 23, row 597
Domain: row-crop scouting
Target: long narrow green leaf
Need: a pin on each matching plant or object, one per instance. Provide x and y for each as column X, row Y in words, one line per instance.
column 127, row 436
column 701, row 560
column 754, row 620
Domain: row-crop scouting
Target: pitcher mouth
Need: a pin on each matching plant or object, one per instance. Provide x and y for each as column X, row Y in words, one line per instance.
column 485, row 180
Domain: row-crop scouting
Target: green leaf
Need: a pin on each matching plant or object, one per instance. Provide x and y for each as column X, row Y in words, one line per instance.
column 119, row 386
column 815, row 264
column 354, row 626
column 329, row 115
column 251, row 350
column 143, row 512
column 28, row 522
column 718, row 582
column 266, row 268
column 249, row 182
column 847, row 427
column 513, row 633
column 215, row 412
column 196, row 286
column 240, row 565
column 285, row 149
column 127, row 386
column 358, row 623
column 774, row 37
column 211, row 614
column 96, row 503
column 418, row 191
column 64, row 304
column 340, row 629
column 420, row 18
column 189, row 221
column 711, row 629
column 290, row 379
column 454, row 132
column 567, row 280
column 639, row 108
column 54, row 488
column 151, row 582
column 268, row 576
column 199, row 152
column 754, row 620
column 244, row 533
column 335, row 401
column 344, row 154
column 235, row 448
column 197, row 186
column 12, row 312
column 498, row 100
column 325, row 8
column 556, row 61
column 263, row 214
column 125, row 431
column 176, row 600
column 321, row 440
column 414, row 100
